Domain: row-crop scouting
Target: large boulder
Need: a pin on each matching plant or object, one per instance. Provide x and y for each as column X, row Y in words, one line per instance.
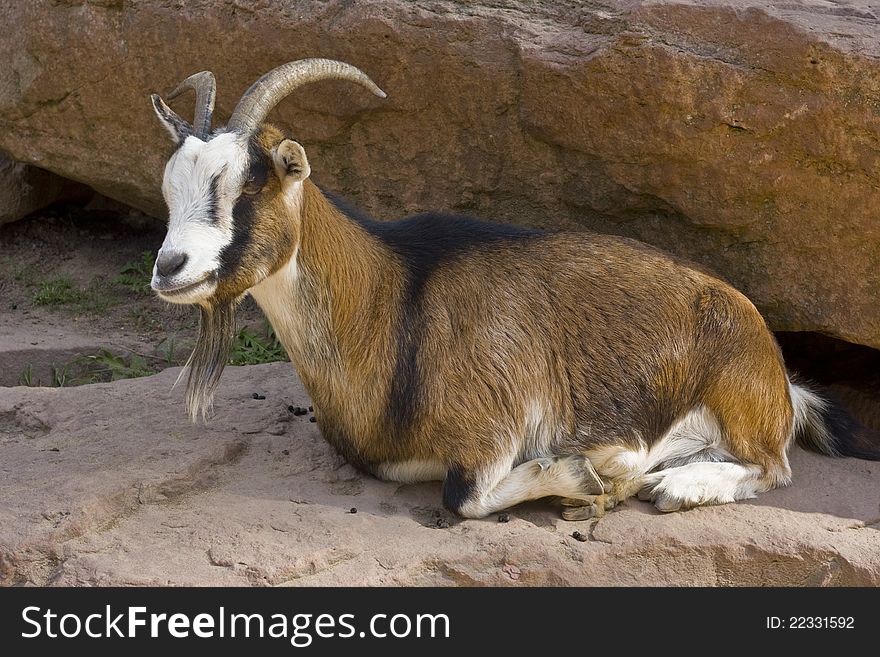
column 25, row 189
column 741, row 134
column 109, row 484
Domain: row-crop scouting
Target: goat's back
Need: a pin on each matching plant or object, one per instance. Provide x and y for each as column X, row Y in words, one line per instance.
column 599, row 337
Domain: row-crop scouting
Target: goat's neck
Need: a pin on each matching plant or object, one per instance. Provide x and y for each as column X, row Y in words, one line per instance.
column 326, row 302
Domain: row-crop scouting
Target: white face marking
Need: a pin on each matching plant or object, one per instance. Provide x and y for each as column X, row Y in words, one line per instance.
column 201, row 183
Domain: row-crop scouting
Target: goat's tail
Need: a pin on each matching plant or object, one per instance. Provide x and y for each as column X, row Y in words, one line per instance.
column 823, row 426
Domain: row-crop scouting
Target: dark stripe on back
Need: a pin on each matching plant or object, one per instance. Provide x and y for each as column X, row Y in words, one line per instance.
column 425, row 243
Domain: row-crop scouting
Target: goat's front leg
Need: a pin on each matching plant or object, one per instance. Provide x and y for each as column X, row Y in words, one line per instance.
column 479, row 492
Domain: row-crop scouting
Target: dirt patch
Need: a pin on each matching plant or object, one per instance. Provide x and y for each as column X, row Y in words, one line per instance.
column 136, row 494
column 17, row 424
column 75, row 304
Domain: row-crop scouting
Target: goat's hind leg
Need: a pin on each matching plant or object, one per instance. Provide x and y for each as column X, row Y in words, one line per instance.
column 477, row 493
column 696, row 484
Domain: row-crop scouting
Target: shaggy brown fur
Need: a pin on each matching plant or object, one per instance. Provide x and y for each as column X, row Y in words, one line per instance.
column 500, row 356
column 612, row 339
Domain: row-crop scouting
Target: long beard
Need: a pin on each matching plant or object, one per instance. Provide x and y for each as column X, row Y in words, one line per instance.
column 205, row 365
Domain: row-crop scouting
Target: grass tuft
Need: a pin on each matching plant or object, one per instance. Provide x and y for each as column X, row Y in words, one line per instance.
column 57, row 292
column 250, row 348
column 26, row 378
column 107, row 366
column 136, row 275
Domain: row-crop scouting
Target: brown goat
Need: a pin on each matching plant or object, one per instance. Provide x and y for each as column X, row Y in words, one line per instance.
column 511, row 363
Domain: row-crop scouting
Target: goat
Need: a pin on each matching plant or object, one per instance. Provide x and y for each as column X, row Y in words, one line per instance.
column 510, row 363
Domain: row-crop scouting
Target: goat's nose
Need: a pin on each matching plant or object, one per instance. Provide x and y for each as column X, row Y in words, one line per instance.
column 170, row 262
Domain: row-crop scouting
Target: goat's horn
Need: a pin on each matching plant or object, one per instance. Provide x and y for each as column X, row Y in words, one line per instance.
column 206, row 89
column 265, row 93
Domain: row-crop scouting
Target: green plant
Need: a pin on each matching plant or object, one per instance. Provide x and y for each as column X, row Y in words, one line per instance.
column 136, row 275
column 60, row 376
column 95, row 299
column 250, row 348
column 57, row 292
column 109, row 365
column 26, row 378
column 169, row 351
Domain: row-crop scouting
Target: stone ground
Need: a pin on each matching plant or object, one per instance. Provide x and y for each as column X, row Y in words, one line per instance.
column 109, row 484
column 740, row 134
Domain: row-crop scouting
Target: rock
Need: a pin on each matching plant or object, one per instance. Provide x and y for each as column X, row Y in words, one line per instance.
column 25, row 189
column 109, row 484
column 744, row 135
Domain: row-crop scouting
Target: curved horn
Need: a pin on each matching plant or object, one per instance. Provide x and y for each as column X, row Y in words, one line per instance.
column 265, row 93
column 205, row 86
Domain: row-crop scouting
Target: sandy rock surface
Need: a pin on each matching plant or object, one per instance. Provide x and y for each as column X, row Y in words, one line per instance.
column 110, row 484
column 741, row 134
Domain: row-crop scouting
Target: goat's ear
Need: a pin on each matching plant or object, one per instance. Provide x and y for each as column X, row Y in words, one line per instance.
column 178, row 128
column 290, row 161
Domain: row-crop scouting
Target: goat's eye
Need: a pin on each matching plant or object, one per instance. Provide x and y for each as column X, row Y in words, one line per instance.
column 251, row 187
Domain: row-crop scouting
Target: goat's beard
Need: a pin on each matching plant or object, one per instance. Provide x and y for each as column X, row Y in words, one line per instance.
column 205, row 365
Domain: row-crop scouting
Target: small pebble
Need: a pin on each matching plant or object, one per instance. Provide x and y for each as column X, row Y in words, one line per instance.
column 14, row 306
column 504, row 517
column 257, row 395
column 311, row 409
column 291, row 409
column 312, row 419
column 442, row 523
column 580, row 537
column 286, row 452
column 353, row 509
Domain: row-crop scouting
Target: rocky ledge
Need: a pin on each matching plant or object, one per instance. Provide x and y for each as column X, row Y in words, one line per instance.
column 742, row 134
column 109, row 484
